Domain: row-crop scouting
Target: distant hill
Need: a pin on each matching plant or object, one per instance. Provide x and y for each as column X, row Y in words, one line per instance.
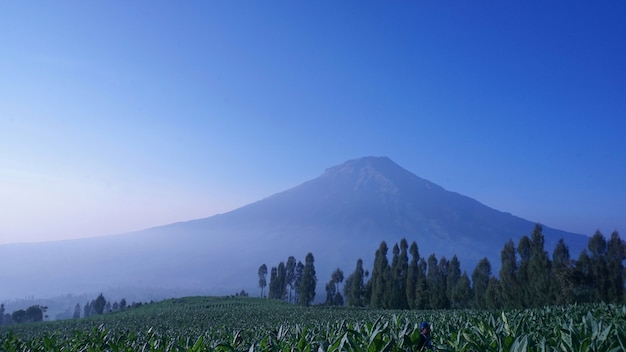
column 340, row 216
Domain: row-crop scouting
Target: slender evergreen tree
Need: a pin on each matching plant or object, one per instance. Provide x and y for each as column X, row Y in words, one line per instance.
column 599, row 267
column 563, row 287
column 274, row 290
column 380, row 278
column 509, row 286
column 523, row 276
column 480, row 279
column 282, row 281
column 76, row 311
column 432, row 278
column 297, row 280
column 493, row 297
column 354, row 287
column 539, row 270
column 584, row 291
column 290, row 276
column 99, row 305
column 411, row 277
column 262, row 277
column 309, row 280
column 463, row 293
column 453, row 276
column 421, row 287
column 615, row 256
column 399, row 267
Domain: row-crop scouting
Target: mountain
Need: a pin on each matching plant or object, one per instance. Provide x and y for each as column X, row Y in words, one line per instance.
column 340, row 216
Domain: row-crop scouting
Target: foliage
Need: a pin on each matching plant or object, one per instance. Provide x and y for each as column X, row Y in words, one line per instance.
column 308, row 282
column 252, row 324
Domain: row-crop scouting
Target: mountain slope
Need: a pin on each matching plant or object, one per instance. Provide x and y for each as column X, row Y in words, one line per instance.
column 340, row 216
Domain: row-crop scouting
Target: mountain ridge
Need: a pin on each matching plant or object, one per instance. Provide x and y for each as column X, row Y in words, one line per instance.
column 340, row 216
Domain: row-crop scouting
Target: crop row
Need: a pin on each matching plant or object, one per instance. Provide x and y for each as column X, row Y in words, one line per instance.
column 247, row 324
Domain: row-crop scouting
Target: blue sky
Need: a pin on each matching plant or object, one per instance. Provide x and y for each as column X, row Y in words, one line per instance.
column 118, row 116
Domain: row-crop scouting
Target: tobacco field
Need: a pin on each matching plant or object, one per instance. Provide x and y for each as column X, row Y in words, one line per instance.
column 253, row 324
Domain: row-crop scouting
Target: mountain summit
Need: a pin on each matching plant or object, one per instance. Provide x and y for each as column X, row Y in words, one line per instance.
column 340, row 216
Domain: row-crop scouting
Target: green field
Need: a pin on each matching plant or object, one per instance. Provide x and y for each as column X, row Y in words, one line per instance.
column 253, row 324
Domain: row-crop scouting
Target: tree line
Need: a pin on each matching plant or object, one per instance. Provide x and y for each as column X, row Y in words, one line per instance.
column 36, row 313
column 32, row 314
column 290, row 281
column 528, row 278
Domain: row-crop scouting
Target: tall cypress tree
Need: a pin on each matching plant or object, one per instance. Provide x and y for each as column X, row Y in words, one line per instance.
column 539, row 269
column 354, row 287
column 493, row 294
column 274, row 284
column 523, row 276
column 615, row 255
column 399, row 267
column 462, row 293
column 290, row 275
column 563, row 274
column 583, row 278
column 308, row 282
column 509, row 287
column 297, row 281
column 380, row 280
column 411, row 277
column 599, row 267
column 480, row 279
column 454, row 274
column 281, row 278
column 432, row 278
column 421, row 289
column 442, row 281
column 262, row 277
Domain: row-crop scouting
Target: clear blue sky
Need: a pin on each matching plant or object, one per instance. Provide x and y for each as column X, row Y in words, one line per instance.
column 117, row 116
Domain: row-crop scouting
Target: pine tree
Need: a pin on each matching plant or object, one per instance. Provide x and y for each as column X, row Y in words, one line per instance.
column 522, row 277
column 584, row 291
column 274, row 284
column 262, row 277
column 411, row 277
column 100, row 303
column 354, row 287
column 493, row 298
column 442, row 288
column 563, row 274
column 454, row 274
column 86, row 310
column 480, row 279
column 309, row 280
column 399, row 267
column 599, row 267
column 290, row 275
column 509, row 286
column 615, row 256
column 462, row 293
column 434, row 285
column 281, row 276
column 380, row 278
column 297, row 280
column 421, row 287
column 539, row 270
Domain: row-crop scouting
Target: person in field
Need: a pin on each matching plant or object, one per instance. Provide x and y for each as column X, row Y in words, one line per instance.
column 424, row 341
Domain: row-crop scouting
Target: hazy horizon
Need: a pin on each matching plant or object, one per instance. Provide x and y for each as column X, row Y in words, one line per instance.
column 117, row 117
